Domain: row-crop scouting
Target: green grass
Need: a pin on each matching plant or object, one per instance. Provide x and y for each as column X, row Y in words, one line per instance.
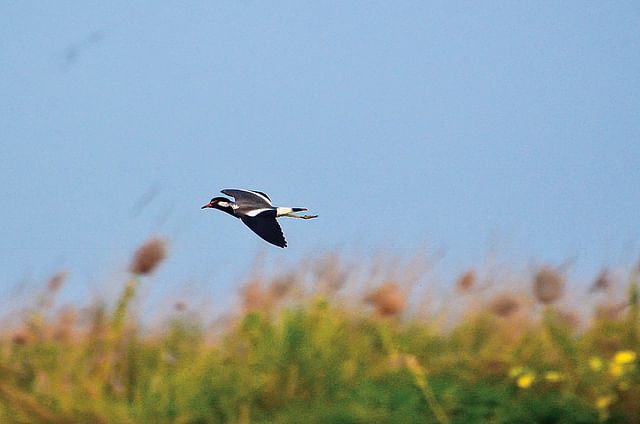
column 294, row 355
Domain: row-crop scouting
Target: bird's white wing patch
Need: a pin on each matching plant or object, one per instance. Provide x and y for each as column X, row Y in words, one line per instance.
column 261, row 194
column 257, row 212
column 256, row 198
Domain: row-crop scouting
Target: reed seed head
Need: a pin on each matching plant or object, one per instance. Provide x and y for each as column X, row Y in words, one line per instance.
column 254, row 296
column 281, row 286
column 67, row 316
column 66, row 320
column 603, row 282
column 21, row 337
column 148, row 256
column 387, row 299
column 505, row 305
column 467, row 281
column 548, row 285
column 568, row 318
column 57, row 280
column 610, row 311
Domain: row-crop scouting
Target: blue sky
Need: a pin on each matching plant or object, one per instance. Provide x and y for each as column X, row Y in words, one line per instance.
column 461, row 126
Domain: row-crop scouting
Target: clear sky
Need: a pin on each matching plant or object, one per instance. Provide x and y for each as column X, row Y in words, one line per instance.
column 461, row 126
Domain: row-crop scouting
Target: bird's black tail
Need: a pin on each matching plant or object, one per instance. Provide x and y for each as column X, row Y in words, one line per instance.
column 299, row 209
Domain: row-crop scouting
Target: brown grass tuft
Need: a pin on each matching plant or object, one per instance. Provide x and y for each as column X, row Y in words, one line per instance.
column 180, row 306
column 467, row 281
column 548, row 285
column 22, row 337
column 254, row 296
column 505, row 305
column 66, row 320
column 57, row 280
column 387, row 299
column 610, row 311
column 148, row 256
column 603, row 282
column 281, row 286
column 568, row 318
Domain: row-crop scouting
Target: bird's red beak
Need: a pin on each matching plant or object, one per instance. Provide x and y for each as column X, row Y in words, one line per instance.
column 209, row 205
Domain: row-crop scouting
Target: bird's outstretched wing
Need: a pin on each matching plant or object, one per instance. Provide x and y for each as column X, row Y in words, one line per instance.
column 248, row 198
column 266, row 226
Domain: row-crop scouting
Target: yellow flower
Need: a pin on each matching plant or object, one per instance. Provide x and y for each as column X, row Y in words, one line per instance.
column 624, row 357
column 595, row 363
column 553, row 376
column 515, row 371
column 526, row 380
column 603, row 402
column 616, row 369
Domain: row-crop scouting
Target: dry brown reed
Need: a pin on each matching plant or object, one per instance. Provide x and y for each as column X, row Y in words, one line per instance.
column 329, row 273
column 148, row 256
column 603, row 282
column 46, row 299
column 281, row 286
column 254, row 296
column 568, row 318
column 548, row 285
column 467, row 281
column 57, row 280
column 260, row 294
column 388, row 299
column 611, row 311
column 21, row 337
column 505, row 305
column 65, row 323
column 180, row 306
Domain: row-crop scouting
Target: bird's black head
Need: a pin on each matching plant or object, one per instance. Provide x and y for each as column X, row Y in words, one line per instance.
column 214, row 203
column 221, row 203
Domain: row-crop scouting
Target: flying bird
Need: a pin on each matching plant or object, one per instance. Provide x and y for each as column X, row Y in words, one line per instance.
column 254, row 208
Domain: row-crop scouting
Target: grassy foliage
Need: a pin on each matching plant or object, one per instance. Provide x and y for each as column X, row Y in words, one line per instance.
column 300, row 352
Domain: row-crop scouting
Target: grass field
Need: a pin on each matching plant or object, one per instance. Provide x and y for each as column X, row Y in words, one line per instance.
column 311, row 346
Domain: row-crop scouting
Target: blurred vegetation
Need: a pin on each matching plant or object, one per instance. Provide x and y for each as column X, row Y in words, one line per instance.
column 307, row 347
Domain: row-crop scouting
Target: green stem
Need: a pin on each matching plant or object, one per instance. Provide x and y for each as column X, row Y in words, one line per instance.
column 123, row 303
column 420, row 377
column 418, row 372
column 634, row 310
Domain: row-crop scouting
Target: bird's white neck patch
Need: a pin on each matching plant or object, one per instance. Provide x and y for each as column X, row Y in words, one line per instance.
column 224, row 204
